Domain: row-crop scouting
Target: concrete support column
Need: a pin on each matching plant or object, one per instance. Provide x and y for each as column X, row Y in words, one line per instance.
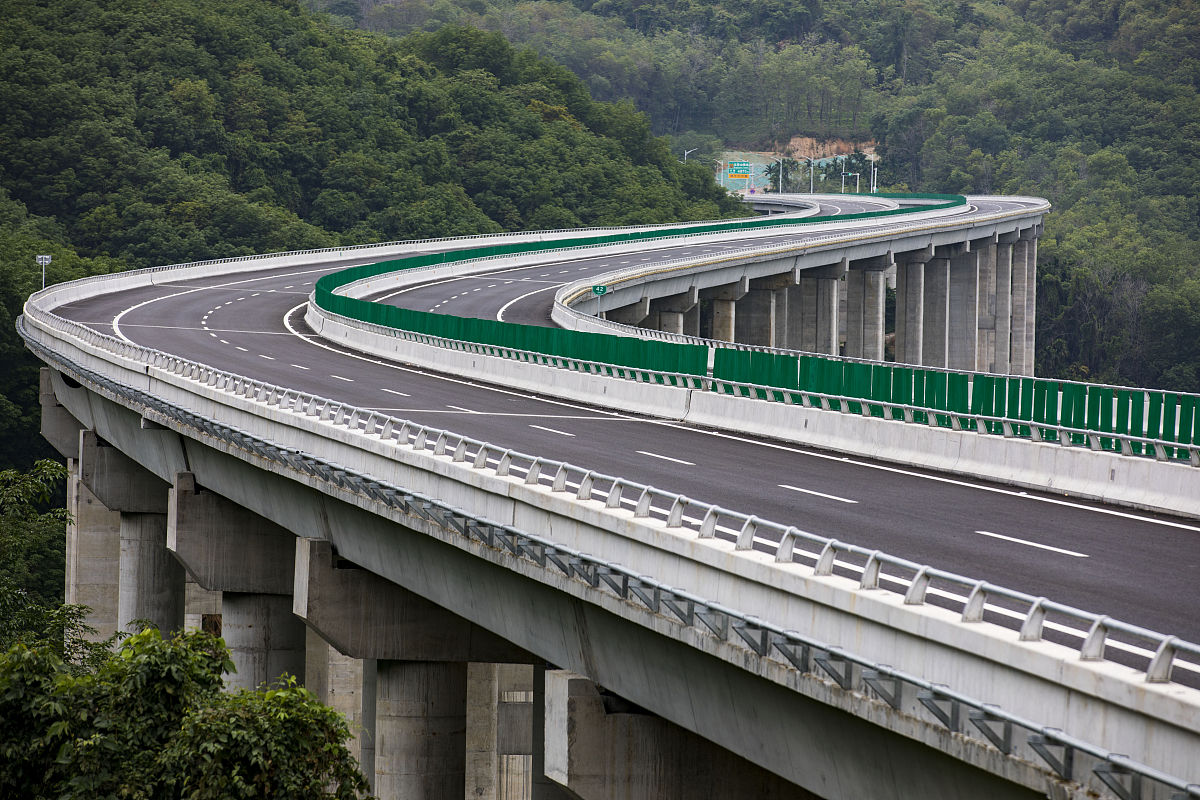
column 934, row 342
column 910, row 310
column 152, row 581
column 827, row 316
column 347, row 685
column 265, row 638
column 801, row 315
column 963, row 339
column 1031, row 302
column 1004, row 264
column 420, row 730
column 866, row 295
column 719, row 304
column 985, row 340
column 754, row 318
column 93, row 554
column 674, row 311
column 780, row 336
column 1020, row 308
column 499, row 731
column 874, row 304
column 670, row 322
column 855, row 291
column 724, row 316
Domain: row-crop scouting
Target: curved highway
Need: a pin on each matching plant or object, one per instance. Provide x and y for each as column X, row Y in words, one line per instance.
column 1133, row 566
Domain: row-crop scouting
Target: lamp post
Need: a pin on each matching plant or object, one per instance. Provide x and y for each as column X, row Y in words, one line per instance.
column 811, row 166
column 780, row 162
column 685, row 153
column 43, row 261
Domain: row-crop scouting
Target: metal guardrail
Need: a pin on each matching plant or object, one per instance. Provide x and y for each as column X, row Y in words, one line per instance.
column 1068, row 757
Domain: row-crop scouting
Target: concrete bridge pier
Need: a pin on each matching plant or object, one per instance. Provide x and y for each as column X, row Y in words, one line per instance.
column 250, row 561
column 1024, row 301
column 963, row 323
column 718, row 311
column 866, row 292
column 1002, row 353
column 422, row 654
column 152, row 584
column 936, row 328
column 910, row 305
column 678, row 313
column 811, row 310
column 985, row 336
column 93, row 555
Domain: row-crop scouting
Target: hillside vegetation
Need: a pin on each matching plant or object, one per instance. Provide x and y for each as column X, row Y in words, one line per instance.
column 1092, row 105
column 141, row 133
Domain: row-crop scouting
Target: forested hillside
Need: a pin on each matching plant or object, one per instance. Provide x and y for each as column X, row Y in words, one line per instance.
column 1092, row 104
column 137, row 133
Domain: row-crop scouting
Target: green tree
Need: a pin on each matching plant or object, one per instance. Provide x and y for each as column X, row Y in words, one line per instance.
column 31, row 537
column 152, row 721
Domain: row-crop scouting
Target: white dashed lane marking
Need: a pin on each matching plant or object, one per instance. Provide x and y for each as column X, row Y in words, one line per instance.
column 817, row 494
column 551, row 430
column 667, row 458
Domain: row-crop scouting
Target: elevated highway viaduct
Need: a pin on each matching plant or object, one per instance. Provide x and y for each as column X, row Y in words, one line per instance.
column 394, row 532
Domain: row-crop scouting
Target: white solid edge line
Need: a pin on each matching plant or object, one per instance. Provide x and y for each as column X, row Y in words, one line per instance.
column 1033, row 544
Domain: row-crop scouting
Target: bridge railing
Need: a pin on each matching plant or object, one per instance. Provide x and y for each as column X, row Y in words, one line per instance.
column 1068, row 757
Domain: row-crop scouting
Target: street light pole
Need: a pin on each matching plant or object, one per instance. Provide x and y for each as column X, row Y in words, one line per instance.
column 780, row 162
column 43, row 261
column 811, row 167
column 685, row 153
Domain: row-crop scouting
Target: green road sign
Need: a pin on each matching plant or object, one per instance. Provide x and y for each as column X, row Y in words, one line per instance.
column 599, row 290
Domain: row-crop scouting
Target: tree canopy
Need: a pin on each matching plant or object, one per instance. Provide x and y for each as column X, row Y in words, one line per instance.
column 136, row 134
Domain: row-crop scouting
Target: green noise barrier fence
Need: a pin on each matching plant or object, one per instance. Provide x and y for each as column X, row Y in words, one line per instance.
column 1145, row 413
column 1027, row 402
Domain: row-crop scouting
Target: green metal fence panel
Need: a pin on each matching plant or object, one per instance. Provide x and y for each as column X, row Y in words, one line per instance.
column 1187, row 421
column 1154, row 415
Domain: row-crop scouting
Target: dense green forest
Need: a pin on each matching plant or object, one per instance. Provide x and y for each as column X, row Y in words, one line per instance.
column 141, row 133
column 1092, row 105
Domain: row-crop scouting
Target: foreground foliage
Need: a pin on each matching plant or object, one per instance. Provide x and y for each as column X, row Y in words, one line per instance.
column 151, row 721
